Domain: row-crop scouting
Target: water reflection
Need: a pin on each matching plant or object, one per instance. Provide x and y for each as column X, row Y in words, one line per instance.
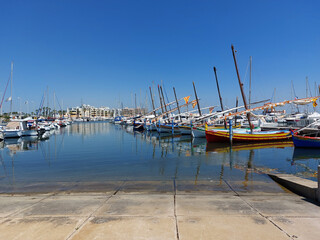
column 225, row 147
column 305, row 161
column 101, row 151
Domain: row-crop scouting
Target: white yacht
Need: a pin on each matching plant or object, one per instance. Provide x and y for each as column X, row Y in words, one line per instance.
column 12, row 130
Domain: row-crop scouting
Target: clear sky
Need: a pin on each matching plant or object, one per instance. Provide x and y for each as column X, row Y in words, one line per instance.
column 103, row 51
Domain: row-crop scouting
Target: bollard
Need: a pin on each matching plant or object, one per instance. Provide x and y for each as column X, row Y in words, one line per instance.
column 318, row 190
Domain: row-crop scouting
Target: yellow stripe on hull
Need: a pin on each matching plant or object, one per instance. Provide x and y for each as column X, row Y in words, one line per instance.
column 244, row 137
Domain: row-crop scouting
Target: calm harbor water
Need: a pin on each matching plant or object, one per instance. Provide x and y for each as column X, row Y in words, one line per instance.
column 100, row 151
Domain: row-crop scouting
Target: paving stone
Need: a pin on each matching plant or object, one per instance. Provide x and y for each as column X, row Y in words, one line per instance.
column 12, row 204
column 138, row 205
column 250, row 187
column 228, row 227
column 301, row 228
column 65, row 206
column 203, row 187
column 211, row 205
column 150, row 187
column 279, row 205
column 108, row 186
column 124, row 228
column 39, row 228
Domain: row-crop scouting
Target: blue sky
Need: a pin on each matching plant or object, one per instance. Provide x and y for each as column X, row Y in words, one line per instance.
column 103, row 51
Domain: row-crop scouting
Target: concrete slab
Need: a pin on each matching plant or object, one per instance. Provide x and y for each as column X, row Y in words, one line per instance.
column 292, row 205
column 211, row 205
column 92, row 194
column 304, row 187
column 149, row 187
column 138, row 205
column 202, row 187
column 12, row 204
column 299, row 228
column 107, row 186
column 124, row 228
column 49, row 228
column 65, row 206
column 228, row 227
column 37, row 188
column 251, row 187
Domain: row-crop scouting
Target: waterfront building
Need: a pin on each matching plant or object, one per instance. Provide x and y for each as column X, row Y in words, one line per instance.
column 90, row 112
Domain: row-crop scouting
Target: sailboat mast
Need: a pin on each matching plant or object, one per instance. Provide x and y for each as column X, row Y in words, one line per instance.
column 307, row 108
column 195, row 94
column 215, row 73
column 154, row 112
column 250, row 82
column 175, row 95
column 47, row 102
column 135, row 104
column 241, row 87
column 306, row 87
column 54, row 105
column 11, row 87
column 160, row 100
column 221, row 104
column 164, row 102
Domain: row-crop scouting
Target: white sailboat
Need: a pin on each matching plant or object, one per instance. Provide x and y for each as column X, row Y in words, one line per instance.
column 13, row 129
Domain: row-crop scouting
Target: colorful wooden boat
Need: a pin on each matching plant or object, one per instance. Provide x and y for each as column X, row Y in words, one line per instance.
column 150, row 126
column 185, row 129
column 167, row 128
column 198, row 132
column 305, row 141
column 244, row 135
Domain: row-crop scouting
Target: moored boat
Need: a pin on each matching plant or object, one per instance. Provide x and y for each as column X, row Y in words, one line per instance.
column 198, row 132
column 167, row 128
column 306, row 140
column 185, row 129
column 12, row 130
column 244, row 135
column 117, row 120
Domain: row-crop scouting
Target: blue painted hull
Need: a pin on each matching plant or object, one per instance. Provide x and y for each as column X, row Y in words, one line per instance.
column 305, row 142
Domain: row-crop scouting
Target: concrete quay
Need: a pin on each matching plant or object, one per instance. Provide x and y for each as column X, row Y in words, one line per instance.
column 179, row 210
